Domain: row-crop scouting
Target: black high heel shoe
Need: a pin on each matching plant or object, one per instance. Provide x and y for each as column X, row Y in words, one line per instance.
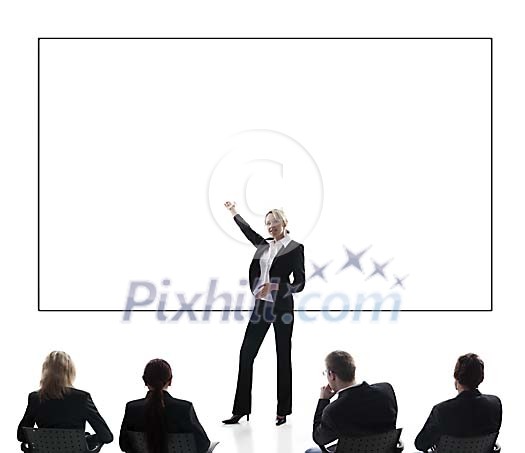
column 280, row 420
column 235, row 419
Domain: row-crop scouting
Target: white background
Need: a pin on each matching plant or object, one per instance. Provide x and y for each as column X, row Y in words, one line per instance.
column 363, row 142
column 416, row 353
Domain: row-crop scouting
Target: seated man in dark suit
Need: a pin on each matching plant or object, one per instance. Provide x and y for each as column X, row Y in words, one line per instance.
column 359, row 409
column 468, row 414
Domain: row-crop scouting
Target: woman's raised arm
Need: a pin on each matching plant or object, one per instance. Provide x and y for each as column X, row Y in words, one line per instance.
column 255, row 238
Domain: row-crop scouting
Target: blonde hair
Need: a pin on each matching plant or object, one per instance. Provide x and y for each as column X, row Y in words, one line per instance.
column 279, row 215
column 58, row 373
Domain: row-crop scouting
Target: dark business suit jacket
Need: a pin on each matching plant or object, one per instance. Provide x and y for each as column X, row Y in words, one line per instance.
column 289, row 260
column 468, row 414
column 363, row 409
column 71, row 412
column 179, row 416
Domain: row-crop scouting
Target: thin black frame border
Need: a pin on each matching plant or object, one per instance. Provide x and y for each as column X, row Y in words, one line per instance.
column 272, row 37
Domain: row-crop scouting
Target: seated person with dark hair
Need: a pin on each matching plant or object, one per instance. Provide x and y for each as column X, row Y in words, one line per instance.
column 469, row 414
column 57, row 405
column 159, row 414
column 359, row 409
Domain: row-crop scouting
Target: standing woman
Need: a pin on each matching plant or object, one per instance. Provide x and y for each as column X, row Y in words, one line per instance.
column 274, row 260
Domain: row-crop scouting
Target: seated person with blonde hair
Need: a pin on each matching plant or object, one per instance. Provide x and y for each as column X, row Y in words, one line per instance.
column 60, row 406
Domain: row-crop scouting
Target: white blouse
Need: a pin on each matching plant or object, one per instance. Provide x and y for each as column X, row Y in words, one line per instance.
column 266, row 263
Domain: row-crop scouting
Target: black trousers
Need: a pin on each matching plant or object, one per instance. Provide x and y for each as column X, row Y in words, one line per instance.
column 261, row 318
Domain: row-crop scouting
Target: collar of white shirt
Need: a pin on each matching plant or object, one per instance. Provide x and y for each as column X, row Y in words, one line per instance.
column 349, row 387
column 284, row 240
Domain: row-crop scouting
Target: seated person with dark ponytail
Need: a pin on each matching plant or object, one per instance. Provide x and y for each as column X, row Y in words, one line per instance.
column 159, row 413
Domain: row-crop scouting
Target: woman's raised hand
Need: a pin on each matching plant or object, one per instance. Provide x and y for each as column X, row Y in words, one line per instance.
column 230, row 206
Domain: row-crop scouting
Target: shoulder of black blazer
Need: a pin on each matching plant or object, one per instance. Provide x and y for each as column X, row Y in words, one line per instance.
column 71, row 395
column 169, row 401
column 465, row 398
column 361, row 390
column 386, row 388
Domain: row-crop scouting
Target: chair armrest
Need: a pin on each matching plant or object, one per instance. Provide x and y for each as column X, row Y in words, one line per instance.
column 25, row 447
column 212, row 446
column 400, row 447
column 497, row 448
column 92, row 445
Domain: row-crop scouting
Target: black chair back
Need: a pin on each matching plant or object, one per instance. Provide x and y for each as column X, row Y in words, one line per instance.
column 478, row 444
column 177, row 443
column 386, row 442
column 44, row 440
